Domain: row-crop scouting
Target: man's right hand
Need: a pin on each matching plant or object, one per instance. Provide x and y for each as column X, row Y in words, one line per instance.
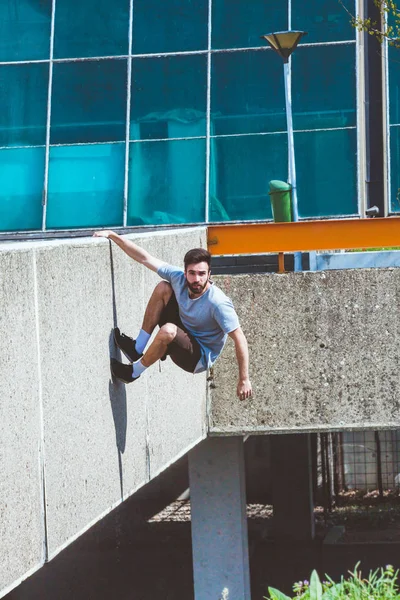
column 131, row 249
column 106, row 233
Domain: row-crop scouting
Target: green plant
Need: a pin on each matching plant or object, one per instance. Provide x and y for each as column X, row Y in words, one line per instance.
column 380, row 585
column 388, row 28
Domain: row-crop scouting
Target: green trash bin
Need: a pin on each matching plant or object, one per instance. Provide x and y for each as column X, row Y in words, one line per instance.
column 280, row 194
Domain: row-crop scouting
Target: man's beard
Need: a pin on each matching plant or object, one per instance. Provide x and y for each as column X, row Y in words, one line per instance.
column 197, row 288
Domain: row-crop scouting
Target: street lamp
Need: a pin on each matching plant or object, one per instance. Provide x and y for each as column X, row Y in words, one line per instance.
column 284, row 42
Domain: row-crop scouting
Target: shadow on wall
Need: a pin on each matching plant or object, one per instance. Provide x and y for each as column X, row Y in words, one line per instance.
column 116, row 389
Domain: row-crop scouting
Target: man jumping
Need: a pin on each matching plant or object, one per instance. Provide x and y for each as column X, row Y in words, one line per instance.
column 194, row 315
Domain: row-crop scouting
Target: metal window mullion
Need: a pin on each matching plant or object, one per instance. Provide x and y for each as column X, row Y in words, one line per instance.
column 374, row 115
column 128, row 114
column 334, row 43
column 76, row 59
column 360, row 116
column 386, row 129
column 208, row 118
column 48, row 122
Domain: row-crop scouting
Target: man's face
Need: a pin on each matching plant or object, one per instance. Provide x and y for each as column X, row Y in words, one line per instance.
column 197, row 277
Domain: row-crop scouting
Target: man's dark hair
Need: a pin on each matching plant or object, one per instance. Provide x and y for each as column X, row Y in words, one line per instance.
column 197, row 255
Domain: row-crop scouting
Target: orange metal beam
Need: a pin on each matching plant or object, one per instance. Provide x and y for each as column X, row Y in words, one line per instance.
column 331, row 234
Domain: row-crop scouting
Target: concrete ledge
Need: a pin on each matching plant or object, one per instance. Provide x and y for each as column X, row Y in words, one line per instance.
column 21, row 489
column 324, row 353
column 95, row 441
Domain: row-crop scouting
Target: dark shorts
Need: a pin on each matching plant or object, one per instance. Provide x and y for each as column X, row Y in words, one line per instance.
column 184, row 350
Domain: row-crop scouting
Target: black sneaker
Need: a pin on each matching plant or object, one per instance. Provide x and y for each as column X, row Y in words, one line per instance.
column 122, row 372
column 126, row 345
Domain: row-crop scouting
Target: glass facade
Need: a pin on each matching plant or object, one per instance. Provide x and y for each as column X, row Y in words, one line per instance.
column 88, row 102
column 91, row 28
column 143, row 112
column 167, row 182
column 86, row 186
column 169, row 26
column 394, row 128
column 25, row 27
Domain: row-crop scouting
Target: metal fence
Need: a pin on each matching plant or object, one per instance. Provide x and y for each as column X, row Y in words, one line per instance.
column 357, row 460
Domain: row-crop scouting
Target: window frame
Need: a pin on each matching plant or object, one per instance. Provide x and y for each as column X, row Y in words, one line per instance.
column 360, row 126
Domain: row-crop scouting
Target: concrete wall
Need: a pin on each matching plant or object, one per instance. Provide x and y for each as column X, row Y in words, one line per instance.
column 324, row 353
column 73, row 443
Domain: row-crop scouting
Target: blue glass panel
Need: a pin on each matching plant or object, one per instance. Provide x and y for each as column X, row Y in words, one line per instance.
column 89, row 102
column 324, row 21
column 324, row 87
column 241, row 169
column 395, row 169
column 394, row 85
column 239, row 24
column 169, row 97
column 21, row 188
column 23, row 104
column 326, row 167
column 247, row 93
column 166, row 182
column 25, row 29
column 169, row 25
column 86, row 186
column 91, row 28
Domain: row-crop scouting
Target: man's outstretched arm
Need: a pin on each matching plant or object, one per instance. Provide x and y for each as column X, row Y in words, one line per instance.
column 244, row 389
column 141, row 256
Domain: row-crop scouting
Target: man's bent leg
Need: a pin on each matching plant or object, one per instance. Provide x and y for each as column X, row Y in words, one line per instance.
column 128, row 373
column 155, row 310
column 159, row 346
column 155, row 306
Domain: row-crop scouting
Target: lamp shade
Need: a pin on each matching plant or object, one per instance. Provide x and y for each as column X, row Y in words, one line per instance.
column 284, row 42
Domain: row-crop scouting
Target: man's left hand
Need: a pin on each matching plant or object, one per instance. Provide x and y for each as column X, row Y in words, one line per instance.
column 244, row 389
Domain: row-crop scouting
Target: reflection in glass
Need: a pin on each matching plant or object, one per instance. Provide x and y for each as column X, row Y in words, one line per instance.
column 25, row 29
column 394, row 85
column 166, row 182
column 241, row 169
column 325, row 21
column 169, row 25
column 23, row 104
column 247, row 93
column 395, row 169
column 169, row 97
column 89, row 102
column 91, row 28
column 86, row 186
column 324, row 87
column 326, row 166
column 237, row 24
column 21, row 188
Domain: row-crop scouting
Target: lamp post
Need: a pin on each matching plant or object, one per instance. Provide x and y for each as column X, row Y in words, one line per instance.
column 284, row 43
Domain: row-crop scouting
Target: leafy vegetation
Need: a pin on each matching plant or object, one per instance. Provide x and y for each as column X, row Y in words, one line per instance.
column 387, row 29
column 380, row 585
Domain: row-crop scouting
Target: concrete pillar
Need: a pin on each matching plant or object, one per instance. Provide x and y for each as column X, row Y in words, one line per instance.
column 292, row 487
column 219, row 524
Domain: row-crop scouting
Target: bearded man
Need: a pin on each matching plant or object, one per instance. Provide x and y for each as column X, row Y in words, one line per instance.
column 194, row 318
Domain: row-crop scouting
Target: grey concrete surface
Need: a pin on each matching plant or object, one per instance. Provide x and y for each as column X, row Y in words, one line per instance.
column 102, row 440
column 324, row 353
column 21, row 505
column 113, row 434
column 219, row 522
column 92, row 457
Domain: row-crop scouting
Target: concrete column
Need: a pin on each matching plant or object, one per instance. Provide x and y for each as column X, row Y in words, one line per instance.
column 219, row 525
column 292, row 487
